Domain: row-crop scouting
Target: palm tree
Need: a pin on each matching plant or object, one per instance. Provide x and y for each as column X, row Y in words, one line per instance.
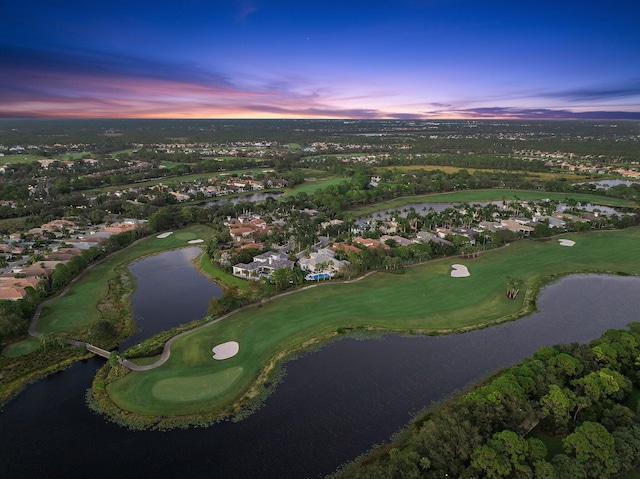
column 513, row 287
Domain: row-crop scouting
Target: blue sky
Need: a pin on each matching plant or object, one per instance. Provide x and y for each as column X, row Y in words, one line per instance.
column 320, row 59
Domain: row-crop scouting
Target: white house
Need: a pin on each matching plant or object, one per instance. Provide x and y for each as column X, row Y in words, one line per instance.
column 324, row 259
column 262, row 265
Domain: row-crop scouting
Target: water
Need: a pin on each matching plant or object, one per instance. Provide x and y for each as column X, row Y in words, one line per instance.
column 253, row 198
column 606, row 184
column 170, row 291
column 333, row 405
column 423, row 208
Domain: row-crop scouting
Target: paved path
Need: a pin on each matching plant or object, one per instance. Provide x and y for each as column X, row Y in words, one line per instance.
column 166, row 351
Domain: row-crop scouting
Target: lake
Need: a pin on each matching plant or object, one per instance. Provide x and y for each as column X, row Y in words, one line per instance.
column 237, row 199
column 170, row 291
column 424, row 207
column 333, row 404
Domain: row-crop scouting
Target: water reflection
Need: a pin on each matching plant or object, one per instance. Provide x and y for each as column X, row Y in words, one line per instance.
column 169, row 291
column 235, row 200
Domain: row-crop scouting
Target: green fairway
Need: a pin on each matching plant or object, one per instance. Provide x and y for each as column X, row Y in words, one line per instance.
column 78, row 307
column 311, row 187
column 425, row 298
column 471, row 196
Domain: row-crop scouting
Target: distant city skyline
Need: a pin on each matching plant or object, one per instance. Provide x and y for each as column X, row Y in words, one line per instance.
column 398, row 59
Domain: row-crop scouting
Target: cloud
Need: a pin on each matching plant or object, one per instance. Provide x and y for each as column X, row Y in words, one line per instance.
column 42, row 63
column 84, row 83
column 540, row 113
column 626, row 89
column 46, row 83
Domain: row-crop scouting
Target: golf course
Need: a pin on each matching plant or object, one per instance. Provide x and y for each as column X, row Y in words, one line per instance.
column 425, row 299
column 77, row 308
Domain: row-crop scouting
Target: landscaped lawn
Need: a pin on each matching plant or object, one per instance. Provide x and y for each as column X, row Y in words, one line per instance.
column 425, row 298
column 78, row 307
column 220, row 275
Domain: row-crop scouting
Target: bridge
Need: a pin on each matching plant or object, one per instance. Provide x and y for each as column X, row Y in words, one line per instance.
column 97, row 351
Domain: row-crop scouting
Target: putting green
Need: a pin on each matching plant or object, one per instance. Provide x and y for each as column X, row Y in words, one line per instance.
column 195, row 388
column 185, row 235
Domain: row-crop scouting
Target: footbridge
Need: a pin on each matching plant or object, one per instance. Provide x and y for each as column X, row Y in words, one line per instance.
column 97, row 351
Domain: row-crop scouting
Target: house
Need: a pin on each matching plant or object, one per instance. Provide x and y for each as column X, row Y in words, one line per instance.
column 370, row 243
column 427, row 236
column 326, row 224
column 12, row 294
column 553, row 222
column 324, row 259
column 516, row 227
column 389, row 227
column 345, row 247
column 491, row 226
column 262, row 265
column 240, row 234
column 400, row 241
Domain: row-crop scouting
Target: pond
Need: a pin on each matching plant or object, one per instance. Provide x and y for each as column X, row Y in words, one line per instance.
column 237, row 199
column 333, row 404
column 169, row 291
column 605, row 184
column 423, row 208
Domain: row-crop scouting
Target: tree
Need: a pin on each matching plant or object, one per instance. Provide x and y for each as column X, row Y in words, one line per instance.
column 594, row 447
column 559, row 403
column 60, row 277
column 603, row 383
column 513, row 287
column 281, row 278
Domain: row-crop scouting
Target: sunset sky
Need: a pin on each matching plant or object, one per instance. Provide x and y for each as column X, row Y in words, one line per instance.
column 320, row 59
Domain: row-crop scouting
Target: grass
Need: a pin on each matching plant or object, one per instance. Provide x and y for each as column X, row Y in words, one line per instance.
column 78, row 307
column 172, row 164
column 21, row 348
column 426, row 298
column 310, row 187
column 22, row 158
column 544, row 176
column 472, row 196
column 221, row 276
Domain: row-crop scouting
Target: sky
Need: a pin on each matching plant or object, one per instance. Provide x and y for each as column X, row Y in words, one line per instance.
column 320, row 59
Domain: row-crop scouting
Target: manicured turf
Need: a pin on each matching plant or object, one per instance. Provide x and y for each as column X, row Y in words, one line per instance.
column 78, row 307
column 471, row 196
column 21, row 348
column 220, row 276
column 311, row 187
column 195, row 388
column 545, row 176
column 424, row 298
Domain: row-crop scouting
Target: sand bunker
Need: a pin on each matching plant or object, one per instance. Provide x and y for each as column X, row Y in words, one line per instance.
column 225, row 350
column 566, row 242
column 196, row 241
column 459, row 271
column 164, row 235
